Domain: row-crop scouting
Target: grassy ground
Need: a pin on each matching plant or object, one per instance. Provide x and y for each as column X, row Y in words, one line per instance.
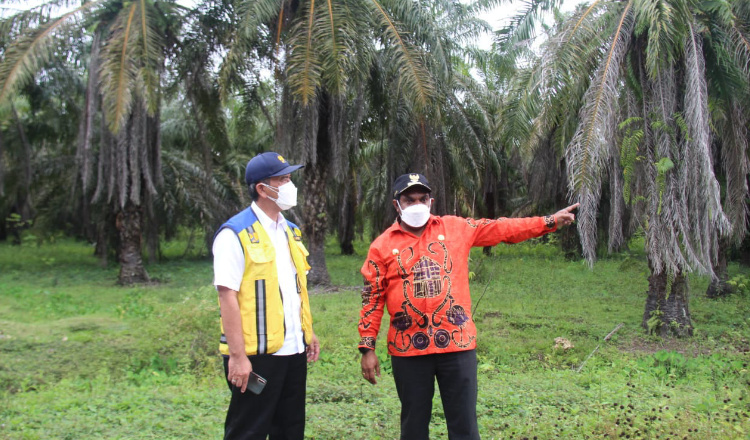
column 81, row 358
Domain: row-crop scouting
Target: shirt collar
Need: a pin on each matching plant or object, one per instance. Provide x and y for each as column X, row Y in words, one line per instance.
column 266, row 221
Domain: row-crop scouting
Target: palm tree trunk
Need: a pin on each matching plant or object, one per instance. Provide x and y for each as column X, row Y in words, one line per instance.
column 132, row 270
column 315, row 225
column 88, row 227
column 667, row 311
column 151, row 229
column 719, row 286
column 84, row 154
column 490, row 185
column 2, row 168
column 315, row 213
column 208, row 161
column 102, row 239
column 86, row 125
column 24, row 204
column 153, row 155
column 347, row 215
column 3, row 229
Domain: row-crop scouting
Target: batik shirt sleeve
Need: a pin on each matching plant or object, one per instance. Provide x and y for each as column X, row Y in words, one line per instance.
column 373, row 299
column 489, row 232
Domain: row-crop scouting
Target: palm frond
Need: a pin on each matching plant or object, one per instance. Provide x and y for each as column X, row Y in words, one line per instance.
column 255, row 16
column 734, row 149
column 120, row 69
column 665, row 33
column 587, row 153
column 304, row 63
column 470, row 139
column 521, row 30
column 152, row 43
column 702, row 187
column 741, row 42
column 233, row 66
column 665, row 210
column 414, row 79
column 582, row 18
column 26, row 55
column 205, row 196
column 16, row 21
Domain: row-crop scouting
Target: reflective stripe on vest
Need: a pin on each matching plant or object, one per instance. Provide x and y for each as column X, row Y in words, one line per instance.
column 260, row 304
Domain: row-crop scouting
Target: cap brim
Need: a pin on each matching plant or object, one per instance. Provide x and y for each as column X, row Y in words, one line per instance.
column 410, row 186
column 287, row 170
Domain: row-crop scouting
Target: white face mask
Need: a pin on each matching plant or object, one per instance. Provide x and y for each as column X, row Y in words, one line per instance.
column 287, row 195
column 415, row 215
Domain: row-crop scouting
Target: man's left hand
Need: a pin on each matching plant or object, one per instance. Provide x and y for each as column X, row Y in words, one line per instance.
column 313, row 350
column 565, row 216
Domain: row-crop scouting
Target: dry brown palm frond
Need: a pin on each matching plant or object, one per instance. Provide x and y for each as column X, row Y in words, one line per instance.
column 701, row 186
column 741, row 42
column 664, row 210
column 616, row 193
column 588, row 152
column 734, row 147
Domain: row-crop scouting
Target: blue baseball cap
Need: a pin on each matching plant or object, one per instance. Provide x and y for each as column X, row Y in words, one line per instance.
column 268, row 164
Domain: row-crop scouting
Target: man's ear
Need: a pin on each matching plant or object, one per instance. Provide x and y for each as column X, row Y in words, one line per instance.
column 258, row 188
column 395, row 206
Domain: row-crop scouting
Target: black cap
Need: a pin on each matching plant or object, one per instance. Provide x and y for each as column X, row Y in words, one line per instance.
column 406, row 181
column 267, row 165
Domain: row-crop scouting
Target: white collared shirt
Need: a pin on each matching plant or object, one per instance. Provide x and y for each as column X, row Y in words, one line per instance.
column 229, row 267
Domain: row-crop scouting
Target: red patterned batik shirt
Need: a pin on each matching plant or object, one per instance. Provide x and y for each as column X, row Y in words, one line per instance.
column 424, row 281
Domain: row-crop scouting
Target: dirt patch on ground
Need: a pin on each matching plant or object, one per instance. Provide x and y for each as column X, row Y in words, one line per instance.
column 686, row 347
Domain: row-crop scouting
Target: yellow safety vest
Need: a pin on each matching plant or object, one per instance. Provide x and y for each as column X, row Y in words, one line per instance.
column 261, row 306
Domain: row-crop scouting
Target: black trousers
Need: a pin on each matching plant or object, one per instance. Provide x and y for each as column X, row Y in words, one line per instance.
column 456, row 375
column 279, row 410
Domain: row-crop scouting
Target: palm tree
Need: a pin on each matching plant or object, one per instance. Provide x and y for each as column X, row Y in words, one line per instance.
column 458, row 144
column 39, row 155
column 191, row 196
column 128, row 46
column 539, row 113
column 328, row 55
column 646, row 81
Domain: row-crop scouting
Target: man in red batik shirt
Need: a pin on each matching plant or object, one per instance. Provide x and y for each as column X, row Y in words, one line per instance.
column 418, row 269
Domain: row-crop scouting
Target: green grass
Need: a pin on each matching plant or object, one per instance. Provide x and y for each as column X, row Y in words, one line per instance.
column 81, row 358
